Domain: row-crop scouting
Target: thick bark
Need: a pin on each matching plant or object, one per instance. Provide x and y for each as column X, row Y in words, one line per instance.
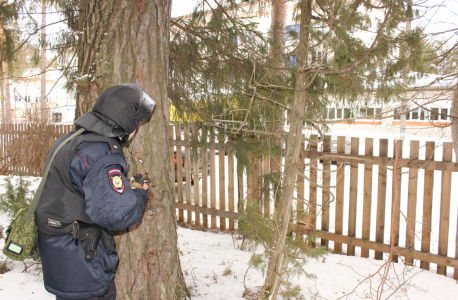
column 276, row 259
column 127, row 41
column 44, row 114
column 454, row 114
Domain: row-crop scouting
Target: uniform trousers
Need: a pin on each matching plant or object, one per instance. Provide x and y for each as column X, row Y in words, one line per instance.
column 109, row 295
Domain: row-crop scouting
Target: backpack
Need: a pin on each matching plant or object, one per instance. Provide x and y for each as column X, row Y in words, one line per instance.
column 22, row 234
column 21, row 238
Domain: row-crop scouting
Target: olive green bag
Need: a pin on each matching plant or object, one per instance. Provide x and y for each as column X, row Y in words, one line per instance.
column 21, row 238
column 22, row 235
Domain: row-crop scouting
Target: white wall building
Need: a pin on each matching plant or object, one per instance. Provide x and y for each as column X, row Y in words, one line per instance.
column 25, row 97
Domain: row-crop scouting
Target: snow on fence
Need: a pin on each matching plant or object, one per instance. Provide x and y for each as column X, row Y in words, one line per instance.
column 24, row 147
column 349, row 189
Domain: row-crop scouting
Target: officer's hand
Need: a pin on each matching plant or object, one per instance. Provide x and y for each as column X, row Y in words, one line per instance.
column 145, row 186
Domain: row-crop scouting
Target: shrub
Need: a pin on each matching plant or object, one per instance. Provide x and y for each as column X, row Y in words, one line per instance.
column 227, row 271
column 3, row 267
column 15, row 198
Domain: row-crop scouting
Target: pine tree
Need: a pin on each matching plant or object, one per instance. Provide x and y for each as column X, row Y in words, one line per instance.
column 127, row 41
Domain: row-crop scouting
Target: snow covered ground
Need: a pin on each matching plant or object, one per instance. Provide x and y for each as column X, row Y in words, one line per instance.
column 206, row 255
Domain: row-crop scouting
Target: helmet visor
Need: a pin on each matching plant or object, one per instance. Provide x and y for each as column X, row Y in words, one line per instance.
column 147, row 103
column 146, row 107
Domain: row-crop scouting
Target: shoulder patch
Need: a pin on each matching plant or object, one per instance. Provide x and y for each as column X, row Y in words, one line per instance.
column 116, row 181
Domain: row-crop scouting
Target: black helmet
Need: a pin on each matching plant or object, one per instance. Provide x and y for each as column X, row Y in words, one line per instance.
column 118, row 110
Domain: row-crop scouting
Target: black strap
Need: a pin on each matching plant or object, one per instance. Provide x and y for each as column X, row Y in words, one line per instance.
column 33, row 205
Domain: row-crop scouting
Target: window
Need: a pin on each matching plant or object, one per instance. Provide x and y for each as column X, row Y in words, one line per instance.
column 415, row 114
column 57, row 117
column 339, row 113
column 332, row 114
column 325, row 114
column 370, row 111
column 27, row 98
column 18, row 98
column 292, row 32
column 434, row 114
column 347, row 113
column 422, row 114
column 444, row 113
column 378, row 112
column 37, row 99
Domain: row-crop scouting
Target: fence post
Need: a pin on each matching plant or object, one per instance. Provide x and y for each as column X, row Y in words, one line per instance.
column 187, row 166
column 412, row 202
column 204, row 184
column 266, row 186
column 213, row 177
column 353, row 195
column 300, row 182
column 396, row 192
column 231, row 190
column 179, row 164
column 326, row 190
column 427, row 205
column 444, row 224
column 340, row 179
column 240, row 194
column 381, row 199
column 367, row 199
column 172, row 159
column 222, row 180
column 195, row 179
column 313, row 183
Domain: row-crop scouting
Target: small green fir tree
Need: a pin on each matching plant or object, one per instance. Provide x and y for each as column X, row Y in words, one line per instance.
column 16, row 196
column 258, row 230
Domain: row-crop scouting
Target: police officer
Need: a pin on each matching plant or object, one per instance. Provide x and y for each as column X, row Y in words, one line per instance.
column 86, row 196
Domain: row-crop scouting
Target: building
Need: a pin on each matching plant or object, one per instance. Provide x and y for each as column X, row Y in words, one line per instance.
column 25, row 97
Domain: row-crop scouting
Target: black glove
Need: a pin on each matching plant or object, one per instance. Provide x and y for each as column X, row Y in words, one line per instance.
column 108, row 241
column 139, row 178
column 89, row 234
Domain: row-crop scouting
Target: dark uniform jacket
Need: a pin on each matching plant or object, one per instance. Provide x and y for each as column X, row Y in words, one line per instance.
column 99, row 174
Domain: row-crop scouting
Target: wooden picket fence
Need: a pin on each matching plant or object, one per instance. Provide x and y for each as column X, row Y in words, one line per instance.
column 215, row 201
column 320, row 198
column 24, row 147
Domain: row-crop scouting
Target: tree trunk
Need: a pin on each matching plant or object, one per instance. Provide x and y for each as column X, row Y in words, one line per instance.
column 278, row 32
column 127, row 41
column 276, row 258
column 3, row 96
column 7, row 100
column 44, row 115
column 277, row 53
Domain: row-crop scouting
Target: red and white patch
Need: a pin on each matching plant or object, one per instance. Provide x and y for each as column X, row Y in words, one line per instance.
column 116, row 181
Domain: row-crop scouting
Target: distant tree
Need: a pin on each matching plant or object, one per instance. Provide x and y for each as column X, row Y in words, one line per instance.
column 8, row 13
